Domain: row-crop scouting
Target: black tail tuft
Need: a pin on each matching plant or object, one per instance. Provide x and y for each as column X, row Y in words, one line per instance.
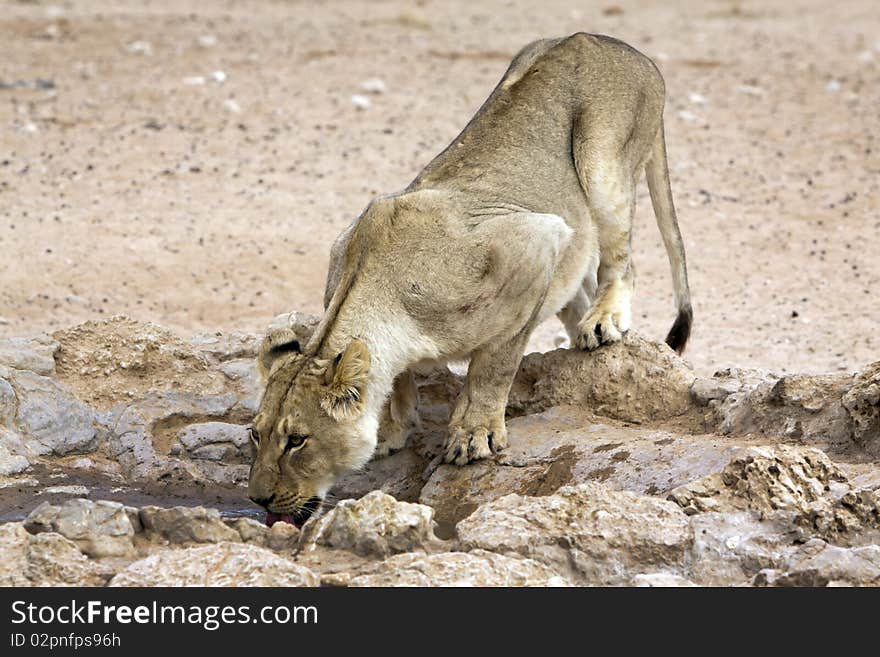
column 681, row 330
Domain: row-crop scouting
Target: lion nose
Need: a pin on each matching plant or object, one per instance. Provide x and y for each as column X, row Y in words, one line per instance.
column 263, row 501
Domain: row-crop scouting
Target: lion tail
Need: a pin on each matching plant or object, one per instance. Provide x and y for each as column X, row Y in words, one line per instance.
column 657, row 173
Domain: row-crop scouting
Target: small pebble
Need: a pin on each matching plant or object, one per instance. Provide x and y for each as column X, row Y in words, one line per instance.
column 361, row 102
column 140, row 48
column 750, row 90
column 374, row 86
column 832, row 86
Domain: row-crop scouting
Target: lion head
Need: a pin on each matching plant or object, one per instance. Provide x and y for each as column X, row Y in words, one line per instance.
column 310, row 427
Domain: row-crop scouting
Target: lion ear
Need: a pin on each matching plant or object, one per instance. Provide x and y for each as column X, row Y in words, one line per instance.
column 277, row 343
column 347, row 379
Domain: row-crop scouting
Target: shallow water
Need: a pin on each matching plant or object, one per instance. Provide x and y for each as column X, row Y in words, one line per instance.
column 18, row 500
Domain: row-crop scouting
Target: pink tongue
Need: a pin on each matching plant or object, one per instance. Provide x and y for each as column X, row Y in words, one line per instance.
column 272, row 518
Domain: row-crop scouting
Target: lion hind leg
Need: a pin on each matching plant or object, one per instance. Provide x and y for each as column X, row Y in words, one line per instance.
column 610, row 189
column 400, row 418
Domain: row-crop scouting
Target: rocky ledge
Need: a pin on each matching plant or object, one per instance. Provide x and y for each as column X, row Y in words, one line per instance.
column 124, row 454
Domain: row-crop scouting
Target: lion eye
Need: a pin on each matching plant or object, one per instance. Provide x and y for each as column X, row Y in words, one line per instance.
column 295, row 441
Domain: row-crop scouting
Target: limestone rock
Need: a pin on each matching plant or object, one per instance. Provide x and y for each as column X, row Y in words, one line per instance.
column 215, row 441
column 730, row 548
column 661, row 580
column 42, row 560
column 134, row 517
column 805, row 408
column 282, row 536
column 224, row 564
column 797, row 485
column 241, row 369
column 244, row 374
column 763, row 479
column 218, row 472
column 11, row 460
column 8, row 401
column 375, row 525
column 717, row 388
column 222, row 347
column 48, row 413
column 250, row 530
column 476, row 568
column 589, row 533
column 183, row 524
column 566, row 445
column 820, row 564
column 135, row 428
column 832, row 411
column 99, row 529
column 633, row 380
column 846, row 516
column 862, row 403
column 35, row 354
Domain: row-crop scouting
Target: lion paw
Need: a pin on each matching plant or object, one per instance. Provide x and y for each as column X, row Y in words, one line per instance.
column 386, row 446
column 392, row 438
column 596, row 332
column 606, row 322
column 464, row 445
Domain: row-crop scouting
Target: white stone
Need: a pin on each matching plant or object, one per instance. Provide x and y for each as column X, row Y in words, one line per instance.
column 477, row 568
column 374, row 86
column 375, row 525
column 224, row 564
column 360, row 101
column 42, row 560
column 140, row 48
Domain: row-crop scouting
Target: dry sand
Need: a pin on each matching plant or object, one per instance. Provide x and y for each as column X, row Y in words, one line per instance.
column 143, row 183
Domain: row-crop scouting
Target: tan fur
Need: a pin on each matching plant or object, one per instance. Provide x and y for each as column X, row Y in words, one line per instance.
column 343, row 398
column 527, row 213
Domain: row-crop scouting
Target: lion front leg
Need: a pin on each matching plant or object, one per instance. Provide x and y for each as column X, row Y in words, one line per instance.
column 477, row 428
column 400, row 416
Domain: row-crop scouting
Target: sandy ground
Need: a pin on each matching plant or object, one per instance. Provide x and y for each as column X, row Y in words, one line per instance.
column 143, row 182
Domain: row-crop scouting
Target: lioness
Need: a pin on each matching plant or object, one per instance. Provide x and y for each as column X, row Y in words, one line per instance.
column 526, row 213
